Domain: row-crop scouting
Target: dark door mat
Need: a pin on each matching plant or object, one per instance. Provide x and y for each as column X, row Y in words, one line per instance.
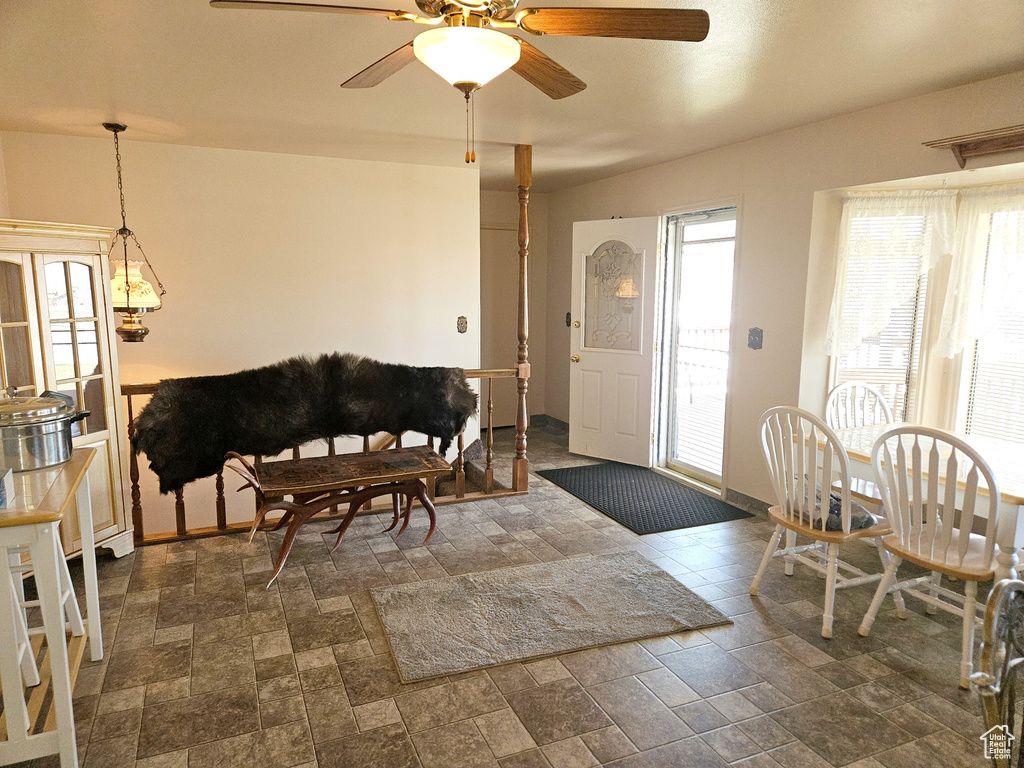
column 640, row 499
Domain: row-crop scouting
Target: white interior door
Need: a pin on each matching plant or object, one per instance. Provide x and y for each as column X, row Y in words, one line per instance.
column 612, row 340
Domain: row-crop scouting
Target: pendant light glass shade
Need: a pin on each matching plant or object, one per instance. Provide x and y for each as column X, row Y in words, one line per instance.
column 130, row 291
column 132, row 296
column 466, row 54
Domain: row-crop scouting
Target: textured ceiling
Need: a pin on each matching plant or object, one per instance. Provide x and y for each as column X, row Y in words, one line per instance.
column 183, row 72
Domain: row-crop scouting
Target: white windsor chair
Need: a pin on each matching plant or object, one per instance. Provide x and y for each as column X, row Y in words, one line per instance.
column 804, row 457
column 919, row 471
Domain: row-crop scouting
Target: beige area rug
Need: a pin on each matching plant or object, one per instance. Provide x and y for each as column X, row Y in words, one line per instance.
column 446, row 626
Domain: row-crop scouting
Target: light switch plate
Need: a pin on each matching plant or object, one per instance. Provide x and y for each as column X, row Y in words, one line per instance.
column 462, row 324
column 755, row 338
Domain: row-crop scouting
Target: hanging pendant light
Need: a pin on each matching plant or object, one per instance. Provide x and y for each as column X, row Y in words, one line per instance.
column 132, row 294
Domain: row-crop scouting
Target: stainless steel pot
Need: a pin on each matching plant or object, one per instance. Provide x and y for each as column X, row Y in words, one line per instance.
column 35, row 432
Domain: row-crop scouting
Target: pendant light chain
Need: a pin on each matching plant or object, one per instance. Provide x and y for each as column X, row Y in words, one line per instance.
column 125, row 233
column 120, row 186
column 124, row 222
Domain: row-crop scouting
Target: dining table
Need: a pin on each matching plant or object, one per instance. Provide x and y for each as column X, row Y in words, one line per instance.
column 1006, row 459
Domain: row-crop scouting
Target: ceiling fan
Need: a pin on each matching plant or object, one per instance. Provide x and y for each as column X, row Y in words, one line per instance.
column 467, row 50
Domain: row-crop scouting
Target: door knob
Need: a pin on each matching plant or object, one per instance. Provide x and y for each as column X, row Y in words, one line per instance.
column 576, row 324
column 575, row 358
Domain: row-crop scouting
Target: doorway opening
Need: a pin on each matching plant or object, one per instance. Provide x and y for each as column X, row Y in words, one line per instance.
column 701, row 249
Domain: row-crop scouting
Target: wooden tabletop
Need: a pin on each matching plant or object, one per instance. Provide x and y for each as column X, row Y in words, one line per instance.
column 44, row 495
column 1005, row 458
column 329, row 473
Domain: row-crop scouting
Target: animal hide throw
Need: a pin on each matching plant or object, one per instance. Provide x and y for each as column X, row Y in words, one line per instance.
column 190, row 424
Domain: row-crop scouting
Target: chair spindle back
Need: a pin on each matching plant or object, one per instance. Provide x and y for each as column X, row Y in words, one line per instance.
column 911, row 465
column 856, row 404
column 804, row 456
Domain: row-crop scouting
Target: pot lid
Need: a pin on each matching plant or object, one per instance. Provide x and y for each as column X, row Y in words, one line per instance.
column 30, row 410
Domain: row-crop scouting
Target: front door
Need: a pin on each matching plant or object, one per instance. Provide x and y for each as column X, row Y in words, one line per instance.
column 611, row 348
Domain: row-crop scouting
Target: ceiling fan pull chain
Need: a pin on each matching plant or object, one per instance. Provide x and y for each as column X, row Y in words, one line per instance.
column 467, row 126
column 472, row 156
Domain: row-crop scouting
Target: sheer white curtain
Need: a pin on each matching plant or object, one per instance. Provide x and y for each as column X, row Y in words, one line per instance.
column 879, row 232
column 989, row 238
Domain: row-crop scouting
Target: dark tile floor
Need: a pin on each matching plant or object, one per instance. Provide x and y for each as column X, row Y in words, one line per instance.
column 205, row 667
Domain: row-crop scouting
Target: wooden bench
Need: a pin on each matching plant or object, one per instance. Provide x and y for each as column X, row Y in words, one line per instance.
column 352, row 479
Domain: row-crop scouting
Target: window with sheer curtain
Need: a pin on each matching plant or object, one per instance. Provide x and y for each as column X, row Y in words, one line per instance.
column 994, row 350
column 886, row 288
column 888, row 244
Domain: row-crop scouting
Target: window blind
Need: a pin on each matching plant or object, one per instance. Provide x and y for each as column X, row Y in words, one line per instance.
column 884, row 278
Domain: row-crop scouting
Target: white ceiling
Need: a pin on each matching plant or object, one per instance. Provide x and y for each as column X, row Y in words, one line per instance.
column 183, row 72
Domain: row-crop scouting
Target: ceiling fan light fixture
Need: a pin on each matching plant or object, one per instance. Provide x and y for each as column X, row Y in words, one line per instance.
column 466, row 54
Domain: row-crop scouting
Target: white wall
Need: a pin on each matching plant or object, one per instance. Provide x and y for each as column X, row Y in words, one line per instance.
column 776, row 178
column 5, row 206
column 499, row 296
column 265, row 256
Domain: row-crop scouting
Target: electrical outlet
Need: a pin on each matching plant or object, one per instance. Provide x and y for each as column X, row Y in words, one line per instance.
column 462, row 325
column 755, row 338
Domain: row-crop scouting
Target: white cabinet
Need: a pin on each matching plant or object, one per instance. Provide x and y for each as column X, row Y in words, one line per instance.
column 56, row 333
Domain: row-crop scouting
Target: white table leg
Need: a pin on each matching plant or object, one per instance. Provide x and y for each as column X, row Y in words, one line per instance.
column 92, row 594
column 1006, row 564
column 1006, row 541
column 45, row 551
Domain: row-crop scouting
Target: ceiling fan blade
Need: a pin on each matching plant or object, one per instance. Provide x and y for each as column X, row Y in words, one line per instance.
column 639, row 23
column 382, row 69
column 542, row 72
column 280, row 6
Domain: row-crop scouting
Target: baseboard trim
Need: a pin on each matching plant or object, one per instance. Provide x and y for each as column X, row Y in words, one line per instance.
column 543, row 420
column 746, row 503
